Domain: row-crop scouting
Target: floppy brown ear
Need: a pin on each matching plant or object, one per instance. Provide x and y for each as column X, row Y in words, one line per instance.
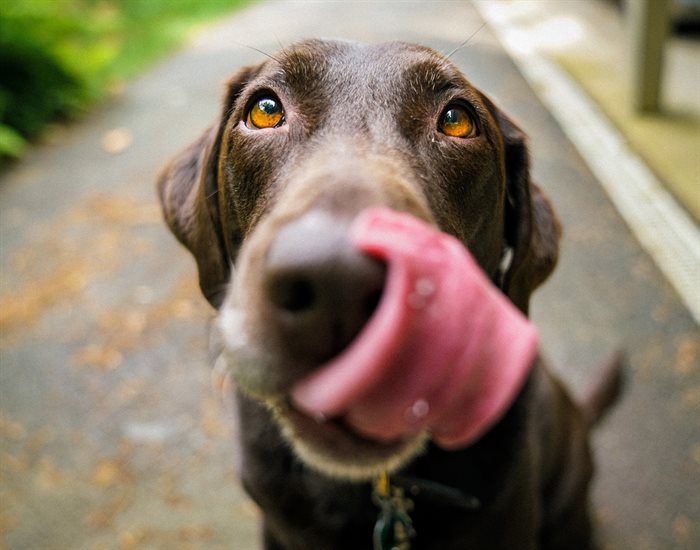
column 188, row 188
column 532, row 230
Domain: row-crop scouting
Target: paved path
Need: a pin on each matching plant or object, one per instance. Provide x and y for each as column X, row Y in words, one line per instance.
column 109, row 434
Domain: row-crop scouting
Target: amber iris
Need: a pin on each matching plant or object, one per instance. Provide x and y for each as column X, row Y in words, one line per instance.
column 456, row 122
column 265, row 113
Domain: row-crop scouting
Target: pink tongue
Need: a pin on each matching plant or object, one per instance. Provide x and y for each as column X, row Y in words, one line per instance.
column 445, row 350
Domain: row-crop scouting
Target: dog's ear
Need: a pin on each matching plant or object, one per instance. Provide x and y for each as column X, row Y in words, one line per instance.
column 188, row 188
column 532, row 230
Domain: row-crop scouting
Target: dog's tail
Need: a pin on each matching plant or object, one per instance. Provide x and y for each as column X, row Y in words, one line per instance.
column 604, row 391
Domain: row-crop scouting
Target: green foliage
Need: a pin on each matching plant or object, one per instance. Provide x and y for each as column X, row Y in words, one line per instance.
column 57, row 57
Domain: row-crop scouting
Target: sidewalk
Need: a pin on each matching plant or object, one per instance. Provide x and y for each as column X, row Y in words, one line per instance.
column 590, row 41
column 110, row 437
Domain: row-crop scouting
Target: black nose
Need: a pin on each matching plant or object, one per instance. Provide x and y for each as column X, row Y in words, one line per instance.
column 320, row 289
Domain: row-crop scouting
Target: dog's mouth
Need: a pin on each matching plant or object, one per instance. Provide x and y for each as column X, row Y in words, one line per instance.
column 328, row 444
column 381, row 353
column 433, row 357
column 333, row 447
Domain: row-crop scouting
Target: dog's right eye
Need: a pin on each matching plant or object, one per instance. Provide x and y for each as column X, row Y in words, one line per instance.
column 266, row 112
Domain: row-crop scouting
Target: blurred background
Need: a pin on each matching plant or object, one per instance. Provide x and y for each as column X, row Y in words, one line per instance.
column 62, row 58
column 110, row 435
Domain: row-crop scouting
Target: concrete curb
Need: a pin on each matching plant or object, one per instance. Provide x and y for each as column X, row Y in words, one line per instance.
column 661, row 226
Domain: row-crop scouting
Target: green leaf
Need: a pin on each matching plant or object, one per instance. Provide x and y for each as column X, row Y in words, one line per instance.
column 11, row 143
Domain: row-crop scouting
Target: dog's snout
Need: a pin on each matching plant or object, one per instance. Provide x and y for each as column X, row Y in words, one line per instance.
column 320, row 290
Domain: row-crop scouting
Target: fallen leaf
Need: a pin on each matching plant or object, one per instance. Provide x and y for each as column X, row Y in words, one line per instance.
column 11, row 430
column 117, row 140
column 99, row 357
column 682, row 529
column 106, row 473
column 48, row 476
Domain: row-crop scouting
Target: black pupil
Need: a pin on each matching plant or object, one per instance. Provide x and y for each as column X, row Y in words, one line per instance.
column 268, row 106
column 453, row 116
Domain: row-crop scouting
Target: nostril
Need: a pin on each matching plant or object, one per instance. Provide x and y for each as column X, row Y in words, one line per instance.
column 372, row 300
column 319, row 290
column 291, row 293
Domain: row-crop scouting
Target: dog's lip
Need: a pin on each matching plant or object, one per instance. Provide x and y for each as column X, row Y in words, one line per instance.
column 333, row 448
column 334, row 425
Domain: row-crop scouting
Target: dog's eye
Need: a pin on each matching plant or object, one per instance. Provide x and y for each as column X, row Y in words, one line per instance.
column 265, row 113
column 457, row 122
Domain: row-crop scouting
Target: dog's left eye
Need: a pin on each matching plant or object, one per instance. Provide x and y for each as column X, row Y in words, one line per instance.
column 265, row 113
column 457, row 122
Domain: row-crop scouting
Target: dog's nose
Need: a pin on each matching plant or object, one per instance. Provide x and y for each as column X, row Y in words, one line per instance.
column 319, row 288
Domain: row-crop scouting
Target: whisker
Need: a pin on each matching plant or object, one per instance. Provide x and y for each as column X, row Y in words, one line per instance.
column 256, row 50
column 279, row 42
column 463, row 44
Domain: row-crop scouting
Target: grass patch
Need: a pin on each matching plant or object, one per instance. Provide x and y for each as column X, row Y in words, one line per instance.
column 58, row 57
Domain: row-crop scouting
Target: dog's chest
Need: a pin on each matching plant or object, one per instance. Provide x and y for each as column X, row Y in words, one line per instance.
column 304, row 510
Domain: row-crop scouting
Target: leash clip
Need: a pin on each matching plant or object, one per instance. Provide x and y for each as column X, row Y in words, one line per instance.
column 394, row 527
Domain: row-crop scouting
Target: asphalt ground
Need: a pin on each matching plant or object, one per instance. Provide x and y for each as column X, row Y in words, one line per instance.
column 110, row 436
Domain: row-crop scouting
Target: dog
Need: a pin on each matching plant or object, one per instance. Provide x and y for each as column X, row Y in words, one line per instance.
column 306, row 141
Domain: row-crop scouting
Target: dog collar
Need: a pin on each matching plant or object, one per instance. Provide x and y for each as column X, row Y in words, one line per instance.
column 393, row 529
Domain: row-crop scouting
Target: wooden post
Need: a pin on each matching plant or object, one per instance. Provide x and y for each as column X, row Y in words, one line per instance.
column 648, row 27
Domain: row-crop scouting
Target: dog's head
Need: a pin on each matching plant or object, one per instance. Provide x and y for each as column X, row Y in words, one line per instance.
column 306, row 141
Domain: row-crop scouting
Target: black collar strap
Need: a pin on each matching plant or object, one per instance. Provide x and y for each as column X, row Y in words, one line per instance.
column 441, row 495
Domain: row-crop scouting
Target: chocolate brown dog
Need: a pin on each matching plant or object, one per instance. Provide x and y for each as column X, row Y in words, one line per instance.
column 264, row 200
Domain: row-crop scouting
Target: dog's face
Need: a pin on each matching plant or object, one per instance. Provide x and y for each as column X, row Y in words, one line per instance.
column 307, row 140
